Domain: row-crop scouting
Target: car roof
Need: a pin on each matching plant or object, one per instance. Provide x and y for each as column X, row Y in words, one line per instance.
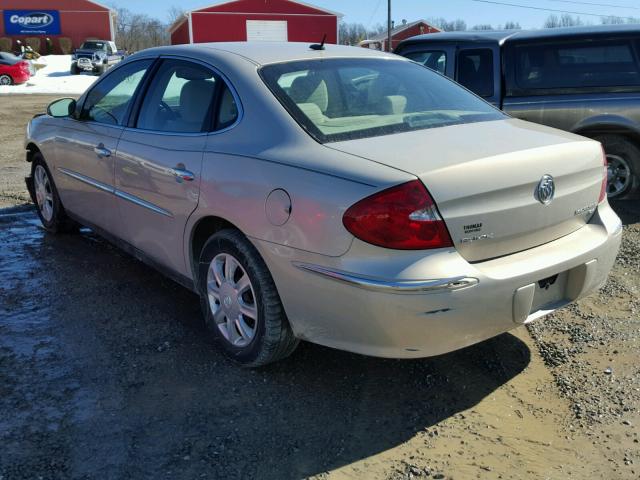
column 262, row 53
column 504, row 36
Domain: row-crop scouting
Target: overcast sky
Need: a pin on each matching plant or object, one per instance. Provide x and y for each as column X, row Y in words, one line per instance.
column 370, row 12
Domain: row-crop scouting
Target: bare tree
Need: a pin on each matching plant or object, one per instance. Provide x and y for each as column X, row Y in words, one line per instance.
column 512, row 26
column 174, row 14
column 613, row 20
column 446, row 25
column 565, row 20
column 353, row 33
column 483, row 26
column 136, row 31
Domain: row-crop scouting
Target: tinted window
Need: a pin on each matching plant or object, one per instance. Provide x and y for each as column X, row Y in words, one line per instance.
column 180, row 98
column 94, row 45
column 475, row 71
column 109, row 100
column 228, row 110
column 342, row 99
column 434, row 59
column 8, row 59
column 576, row 65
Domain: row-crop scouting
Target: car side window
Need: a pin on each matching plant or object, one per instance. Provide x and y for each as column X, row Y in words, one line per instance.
column 227, row 110
column 475, row 71
column 180, row 99
column 434, row 59
column 576, row 65
column 109, row 100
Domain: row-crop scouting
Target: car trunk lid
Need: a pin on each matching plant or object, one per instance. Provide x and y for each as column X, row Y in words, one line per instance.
column 484, row 178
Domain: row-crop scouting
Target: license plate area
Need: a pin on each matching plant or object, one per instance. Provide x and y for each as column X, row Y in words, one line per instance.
column 84, row 63
column 549, row 291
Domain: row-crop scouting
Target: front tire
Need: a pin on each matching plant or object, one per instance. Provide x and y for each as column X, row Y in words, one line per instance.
column 240, row 302
column 45, row 195
column 623, row 166
column 74, row 69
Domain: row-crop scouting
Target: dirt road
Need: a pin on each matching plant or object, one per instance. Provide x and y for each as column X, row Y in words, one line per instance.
column 106, row 371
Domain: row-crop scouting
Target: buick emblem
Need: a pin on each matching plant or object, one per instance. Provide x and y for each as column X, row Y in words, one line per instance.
column 546, row 190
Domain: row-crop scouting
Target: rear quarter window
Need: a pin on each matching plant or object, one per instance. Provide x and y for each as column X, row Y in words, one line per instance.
column 575, row 65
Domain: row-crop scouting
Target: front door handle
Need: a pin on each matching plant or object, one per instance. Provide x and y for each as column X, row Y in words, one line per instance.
column 101, row 151
column 182, row 175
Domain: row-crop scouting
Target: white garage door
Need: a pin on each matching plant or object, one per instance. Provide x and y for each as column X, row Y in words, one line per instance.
column 267, row 30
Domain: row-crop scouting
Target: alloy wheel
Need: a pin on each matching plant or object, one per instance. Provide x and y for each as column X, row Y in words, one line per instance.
column 618, row 175
column 44, row 192
column 5, row 80
column 232, row 300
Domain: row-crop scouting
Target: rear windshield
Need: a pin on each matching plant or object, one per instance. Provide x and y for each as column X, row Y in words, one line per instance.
column 8, row 59
column 94, row 46
column 344, row 98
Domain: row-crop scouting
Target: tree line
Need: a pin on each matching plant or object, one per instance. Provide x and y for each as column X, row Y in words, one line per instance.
column 353, row 33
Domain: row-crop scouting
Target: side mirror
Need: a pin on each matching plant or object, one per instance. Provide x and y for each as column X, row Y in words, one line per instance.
column 61, row 108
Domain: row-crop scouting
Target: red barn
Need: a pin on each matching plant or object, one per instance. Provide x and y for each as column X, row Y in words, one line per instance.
column 399, row 33
column 242, row 20
column 74, row 19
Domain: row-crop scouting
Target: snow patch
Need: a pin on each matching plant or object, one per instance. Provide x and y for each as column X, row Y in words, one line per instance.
column 54, row 78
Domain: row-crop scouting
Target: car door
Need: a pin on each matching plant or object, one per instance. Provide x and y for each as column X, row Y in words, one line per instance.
column 159, row 159
column 86, row 145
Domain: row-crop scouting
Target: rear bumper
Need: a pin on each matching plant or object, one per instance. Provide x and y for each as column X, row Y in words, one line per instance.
column 412, row 304
column 20, row 77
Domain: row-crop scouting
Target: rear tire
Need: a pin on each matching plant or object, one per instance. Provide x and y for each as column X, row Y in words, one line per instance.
column 235, row 286
column 45, row 195
column 623, row 158
column 5, row 80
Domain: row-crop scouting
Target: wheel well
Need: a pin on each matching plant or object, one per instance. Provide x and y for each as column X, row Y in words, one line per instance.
column 205, row 227
column 630, row 135
column 32, row 149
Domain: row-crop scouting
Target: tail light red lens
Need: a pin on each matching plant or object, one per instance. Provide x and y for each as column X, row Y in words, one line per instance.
column 605, row 177
column 403, row 217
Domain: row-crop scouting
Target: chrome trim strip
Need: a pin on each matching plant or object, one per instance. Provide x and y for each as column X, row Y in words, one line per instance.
column 118, row 193
column 142, row 203
column 390, row 286
column 88, row 180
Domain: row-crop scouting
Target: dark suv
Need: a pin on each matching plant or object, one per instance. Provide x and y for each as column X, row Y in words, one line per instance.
column 585, row 80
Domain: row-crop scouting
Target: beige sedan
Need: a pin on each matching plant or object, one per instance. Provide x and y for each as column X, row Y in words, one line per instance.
column 337, row 195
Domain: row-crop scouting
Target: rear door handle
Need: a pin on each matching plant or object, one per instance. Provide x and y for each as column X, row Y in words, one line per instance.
column 182, row 175
column 101, row 151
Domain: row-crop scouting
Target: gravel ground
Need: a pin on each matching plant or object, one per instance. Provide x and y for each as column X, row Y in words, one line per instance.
column 106, row 371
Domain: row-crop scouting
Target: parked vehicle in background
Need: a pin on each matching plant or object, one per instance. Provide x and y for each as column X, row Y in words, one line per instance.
column 585, row 80
column 338, row 195
column 13, row 70
column 95, row 56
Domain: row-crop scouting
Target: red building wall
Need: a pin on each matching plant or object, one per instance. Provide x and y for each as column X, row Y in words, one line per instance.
column 79, row 20
column 232, row 27
column 227, row 22
column 411, row 32
column 180, row 35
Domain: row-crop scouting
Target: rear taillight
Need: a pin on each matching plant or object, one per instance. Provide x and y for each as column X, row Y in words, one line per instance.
column 605, row 177
column 404, row 217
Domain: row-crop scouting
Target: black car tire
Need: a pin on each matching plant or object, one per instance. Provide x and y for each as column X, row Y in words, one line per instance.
column 627, row 152
column 274, row 339
column 74, row 69
column 5, row 79
column 59, row 221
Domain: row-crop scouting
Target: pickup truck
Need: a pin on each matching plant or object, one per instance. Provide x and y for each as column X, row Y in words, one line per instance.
column 95, row 56
column 585, row 80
